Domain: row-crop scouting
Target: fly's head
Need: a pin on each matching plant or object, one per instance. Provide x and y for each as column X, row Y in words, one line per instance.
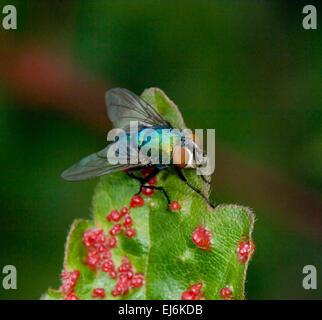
column 190, row 153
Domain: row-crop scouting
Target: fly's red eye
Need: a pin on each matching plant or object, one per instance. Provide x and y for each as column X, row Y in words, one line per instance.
column 180, row 156
column 195, row 138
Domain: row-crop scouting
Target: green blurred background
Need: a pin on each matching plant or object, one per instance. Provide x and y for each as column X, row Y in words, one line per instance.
column 247, row 69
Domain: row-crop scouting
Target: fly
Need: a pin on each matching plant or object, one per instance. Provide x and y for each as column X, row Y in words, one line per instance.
column 123, row 106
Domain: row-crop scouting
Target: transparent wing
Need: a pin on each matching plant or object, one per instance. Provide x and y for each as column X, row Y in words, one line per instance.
column 94, row 165
column 124, row 106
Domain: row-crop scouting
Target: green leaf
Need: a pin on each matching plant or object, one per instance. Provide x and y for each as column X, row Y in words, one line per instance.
column 52, row 294
column 162, row 249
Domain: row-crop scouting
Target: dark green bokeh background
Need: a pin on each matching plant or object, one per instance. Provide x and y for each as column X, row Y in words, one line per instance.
column 248, row 69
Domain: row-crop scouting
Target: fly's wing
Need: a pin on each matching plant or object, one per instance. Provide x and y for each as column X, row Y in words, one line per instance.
column 124, row 106
column 95, row 165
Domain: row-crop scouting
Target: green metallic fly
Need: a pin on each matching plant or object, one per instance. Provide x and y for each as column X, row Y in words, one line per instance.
column 123, row 108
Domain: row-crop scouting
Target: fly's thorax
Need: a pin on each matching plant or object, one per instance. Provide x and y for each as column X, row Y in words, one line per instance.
column 157, row 144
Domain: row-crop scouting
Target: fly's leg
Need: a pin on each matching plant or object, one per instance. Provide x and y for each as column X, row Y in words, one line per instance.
column 164, row 192
column 205, row 180
column 183, row 178
column 132, row 175
column 145, row 180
